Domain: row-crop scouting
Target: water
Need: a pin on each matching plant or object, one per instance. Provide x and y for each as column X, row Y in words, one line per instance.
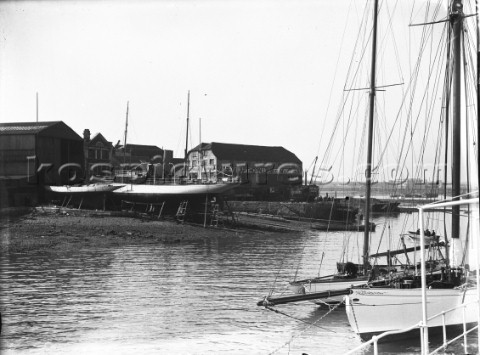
column 195, row 298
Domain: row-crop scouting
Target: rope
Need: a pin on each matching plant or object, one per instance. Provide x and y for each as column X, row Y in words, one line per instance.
column 298, row 319
column 304, row 330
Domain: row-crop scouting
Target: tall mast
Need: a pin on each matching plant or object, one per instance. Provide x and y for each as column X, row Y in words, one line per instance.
column 478, row 88
column 368, row 172
column 37, row 106
column 188, row 123
column 478, row 137
column 200, row 148
column 456, row 19
column 125, row 135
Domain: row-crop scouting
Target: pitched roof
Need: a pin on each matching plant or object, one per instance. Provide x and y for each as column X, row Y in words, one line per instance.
column 101, row 138
column 140, row 149
column 243, row 152
column 24, row 127
column 50, row 128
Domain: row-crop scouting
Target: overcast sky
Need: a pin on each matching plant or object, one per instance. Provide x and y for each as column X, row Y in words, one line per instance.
column 260, row 72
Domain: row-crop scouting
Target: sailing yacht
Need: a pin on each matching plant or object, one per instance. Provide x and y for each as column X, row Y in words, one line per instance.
column 331, row 289
column 395, row 303
column 180, row 191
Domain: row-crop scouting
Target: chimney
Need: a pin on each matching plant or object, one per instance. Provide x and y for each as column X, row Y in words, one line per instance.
column 86, row 135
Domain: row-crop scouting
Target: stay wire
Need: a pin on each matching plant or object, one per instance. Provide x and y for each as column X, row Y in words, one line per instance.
column 304, row 330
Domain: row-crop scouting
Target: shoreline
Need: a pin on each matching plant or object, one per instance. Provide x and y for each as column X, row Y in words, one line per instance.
column 67, row 229
column 53, row 228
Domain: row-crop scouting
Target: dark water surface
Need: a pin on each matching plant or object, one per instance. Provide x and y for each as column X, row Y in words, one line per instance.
column 193, row 298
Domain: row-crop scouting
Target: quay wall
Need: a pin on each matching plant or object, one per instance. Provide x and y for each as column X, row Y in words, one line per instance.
column 316, row 210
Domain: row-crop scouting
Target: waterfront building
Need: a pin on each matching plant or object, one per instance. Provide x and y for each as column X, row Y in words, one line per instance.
column 142, row 159
column 98, row 153
column 37, row 153
column 266, row 172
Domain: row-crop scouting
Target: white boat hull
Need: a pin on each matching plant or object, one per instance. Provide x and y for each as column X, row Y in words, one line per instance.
column 83, row 189
column 172, row 190
column 373, row 311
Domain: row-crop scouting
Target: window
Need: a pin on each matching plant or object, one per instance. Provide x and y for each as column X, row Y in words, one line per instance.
column 212, row 161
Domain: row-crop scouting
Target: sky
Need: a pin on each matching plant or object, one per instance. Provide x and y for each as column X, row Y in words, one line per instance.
column 259, row 72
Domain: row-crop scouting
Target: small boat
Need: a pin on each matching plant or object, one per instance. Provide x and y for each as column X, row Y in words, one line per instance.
column 343, row 226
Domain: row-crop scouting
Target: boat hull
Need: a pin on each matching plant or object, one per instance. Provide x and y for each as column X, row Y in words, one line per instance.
column 151, row 193
column 84, row 189
column 373, row 311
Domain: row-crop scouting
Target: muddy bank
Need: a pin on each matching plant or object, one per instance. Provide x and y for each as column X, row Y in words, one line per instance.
column 48, row 229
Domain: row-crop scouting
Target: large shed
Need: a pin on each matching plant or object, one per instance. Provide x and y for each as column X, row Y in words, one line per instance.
column 45, row 152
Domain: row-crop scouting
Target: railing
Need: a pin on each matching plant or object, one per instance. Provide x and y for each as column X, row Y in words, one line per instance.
column 444, row 328
column 423, row 325
column 375, row 339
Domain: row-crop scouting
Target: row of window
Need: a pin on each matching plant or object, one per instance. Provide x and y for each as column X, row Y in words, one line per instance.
column 211, row 162
column 98, row 154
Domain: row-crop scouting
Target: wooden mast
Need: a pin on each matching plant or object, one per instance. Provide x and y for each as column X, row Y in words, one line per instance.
column 125, row 135
column 186, row 138
column 456, row 18
column 478, row 90
column 368, row 172
column 37, row 106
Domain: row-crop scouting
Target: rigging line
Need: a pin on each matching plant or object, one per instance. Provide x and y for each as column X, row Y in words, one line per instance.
column 297, row 319
column 376, row 87
column 429, row 114
column 428, row 23
column 276, row 277
column 338, row 116
column 438, row 150
column 298, row 265
column 411, row 88
column 470, row 65
column 304, row 330
column 425, row 36
column 334, row 75
column 465, row 67
column 345, row 137
column 468, row 137
column 344, row 105
column 415, row 123
column 394, row 41
column 355, row 75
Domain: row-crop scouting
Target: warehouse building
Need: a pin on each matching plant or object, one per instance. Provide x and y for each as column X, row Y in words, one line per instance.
column 37, row 153
column 265, row 172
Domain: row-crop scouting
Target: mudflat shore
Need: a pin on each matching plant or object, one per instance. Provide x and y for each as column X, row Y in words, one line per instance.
column 54, row 229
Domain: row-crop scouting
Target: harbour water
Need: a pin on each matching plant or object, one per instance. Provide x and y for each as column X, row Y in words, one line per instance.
column 185, row 298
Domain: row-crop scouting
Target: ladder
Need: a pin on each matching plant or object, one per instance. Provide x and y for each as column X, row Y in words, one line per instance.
column 182, row 211
column 214, row 215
